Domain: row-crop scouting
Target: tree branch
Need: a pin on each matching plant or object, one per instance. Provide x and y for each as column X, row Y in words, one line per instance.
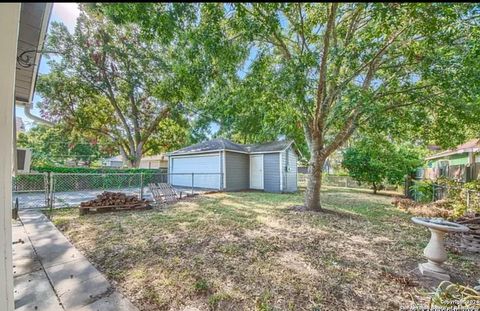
column 322, row 80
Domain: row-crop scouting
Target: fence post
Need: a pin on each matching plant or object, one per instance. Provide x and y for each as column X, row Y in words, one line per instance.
column 193, row 176
column 46, row 180
column 141, row 186
column 468, row 199
column 51, row 188
column 433, row 193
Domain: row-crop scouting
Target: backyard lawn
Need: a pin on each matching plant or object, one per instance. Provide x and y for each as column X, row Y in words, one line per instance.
column 252, row 251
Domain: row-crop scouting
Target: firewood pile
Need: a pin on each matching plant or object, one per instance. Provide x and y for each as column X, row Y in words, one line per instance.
column 470, row 240
column 113, row 201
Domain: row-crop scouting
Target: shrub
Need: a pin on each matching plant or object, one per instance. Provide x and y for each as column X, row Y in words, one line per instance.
column 57, row 169
column 94, row 179
column 454, row 297
column 422, row 191
column 464, row 197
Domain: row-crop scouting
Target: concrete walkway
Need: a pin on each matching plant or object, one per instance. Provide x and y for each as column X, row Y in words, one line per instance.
column 50, row 274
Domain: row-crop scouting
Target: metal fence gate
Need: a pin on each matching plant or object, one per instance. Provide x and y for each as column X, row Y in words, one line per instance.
column 30, row 190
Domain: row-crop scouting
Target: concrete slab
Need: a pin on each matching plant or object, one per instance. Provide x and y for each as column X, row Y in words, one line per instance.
column 76, row 294
column 53, row 275
column 24, row 258
column 113, row 302
column 23, row 250
column 58, row 256
column 63, row 275
column 53, row 248
column 34, row 292
column 25, row 266
column 36, row 225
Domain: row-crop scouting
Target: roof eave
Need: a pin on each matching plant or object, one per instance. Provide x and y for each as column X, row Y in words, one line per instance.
column 38, row 53
column 453, row 152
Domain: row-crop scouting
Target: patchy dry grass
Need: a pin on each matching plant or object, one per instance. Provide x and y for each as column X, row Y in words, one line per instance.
column 250, row 251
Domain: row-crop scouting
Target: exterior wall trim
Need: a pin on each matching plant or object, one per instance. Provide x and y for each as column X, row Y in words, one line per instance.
column 9, row 23
column 281, row 171
column 195, row 154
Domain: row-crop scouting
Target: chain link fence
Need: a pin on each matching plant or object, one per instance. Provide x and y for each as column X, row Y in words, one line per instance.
column 30, row 190
column 340, row 181
column 424, row 192
column 57, row 190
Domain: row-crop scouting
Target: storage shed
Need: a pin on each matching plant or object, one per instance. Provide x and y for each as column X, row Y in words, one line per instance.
column 222, row 164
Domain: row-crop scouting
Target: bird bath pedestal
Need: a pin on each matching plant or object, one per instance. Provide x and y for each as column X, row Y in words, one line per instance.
column 435, row 251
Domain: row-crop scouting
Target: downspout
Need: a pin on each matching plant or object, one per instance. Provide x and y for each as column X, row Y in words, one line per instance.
column 27, row 110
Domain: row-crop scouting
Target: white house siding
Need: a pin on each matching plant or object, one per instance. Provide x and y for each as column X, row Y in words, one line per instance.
column 9, row 24
column 271, row 172
column 237, row 171
column 206, row 169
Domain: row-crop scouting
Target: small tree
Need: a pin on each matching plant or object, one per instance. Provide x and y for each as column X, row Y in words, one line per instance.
column 374, row 161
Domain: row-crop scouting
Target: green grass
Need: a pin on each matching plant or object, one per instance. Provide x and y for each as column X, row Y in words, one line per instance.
column 251, row 251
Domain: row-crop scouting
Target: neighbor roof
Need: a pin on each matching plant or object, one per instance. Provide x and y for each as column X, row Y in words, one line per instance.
column 115, row 158
column 224, row 144
column 472, row 145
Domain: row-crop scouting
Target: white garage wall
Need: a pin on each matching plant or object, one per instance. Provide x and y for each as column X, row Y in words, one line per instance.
column 205, row 167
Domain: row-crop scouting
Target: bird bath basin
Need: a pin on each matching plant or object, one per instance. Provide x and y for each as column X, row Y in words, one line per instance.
column 435, row 251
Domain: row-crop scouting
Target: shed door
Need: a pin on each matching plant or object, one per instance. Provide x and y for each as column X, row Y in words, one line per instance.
column 256, row 171
column 205, row 170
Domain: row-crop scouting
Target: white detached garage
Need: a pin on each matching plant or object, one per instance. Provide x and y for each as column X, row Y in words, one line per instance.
column 203, row 169
column 222, row 164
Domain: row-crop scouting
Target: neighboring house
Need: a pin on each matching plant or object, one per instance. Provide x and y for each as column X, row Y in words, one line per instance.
column 459, row 163
column 23, row 156
column 19, row 125
column 115, row 162
column 154, row 162
column 222, row 164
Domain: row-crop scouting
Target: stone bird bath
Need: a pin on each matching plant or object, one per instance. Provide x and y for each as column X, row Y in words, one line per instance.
column 435, row 251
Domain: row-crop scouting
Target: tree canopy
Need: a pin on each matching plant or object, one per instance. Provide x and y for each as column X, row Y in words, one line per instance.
column 314, row 72
column 113, row 81
column 376, row 161
column 330, row 69
column 55, row 145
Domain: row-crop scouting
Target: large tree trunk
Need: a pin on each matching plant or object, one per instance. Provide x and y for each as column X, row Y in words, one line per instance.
column 138, row 155
column 315, row 170
column 132, row 160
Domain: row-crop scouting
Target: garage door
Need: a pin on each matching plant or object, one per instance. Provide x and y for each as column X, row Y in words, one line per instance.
column 205, row 169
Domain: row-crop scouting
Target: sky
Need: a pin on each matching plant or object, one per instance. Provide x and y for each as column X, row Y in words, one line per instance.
column 66, row 13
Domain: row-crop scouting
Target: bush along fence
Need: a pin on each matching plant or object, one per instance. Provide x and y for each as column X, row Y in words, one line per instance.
column 457, row 196
column 342, row 181
column 49, row 190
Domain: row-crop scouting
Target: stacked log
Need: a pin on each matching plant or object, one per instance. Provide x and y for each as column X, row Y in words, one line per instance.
column 470, row 240
column 114, row 200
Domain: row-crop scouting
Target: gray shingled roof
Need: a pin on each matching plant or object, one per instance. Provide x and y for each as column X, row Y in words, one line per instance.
column 268, row 147
column 225, row 144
